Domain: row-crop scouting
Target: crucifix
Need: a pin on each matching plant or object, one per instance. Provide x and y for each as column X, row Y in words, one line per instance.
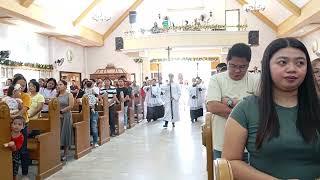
column 169, row 49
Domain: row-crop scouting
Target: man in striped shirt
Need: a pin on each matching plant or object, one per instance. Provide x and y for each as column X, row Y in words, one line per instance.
column 112, row 92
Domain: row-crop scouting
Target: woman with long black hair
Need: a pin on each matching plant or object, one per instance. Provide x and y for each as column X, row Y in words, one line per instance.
column 280, row 125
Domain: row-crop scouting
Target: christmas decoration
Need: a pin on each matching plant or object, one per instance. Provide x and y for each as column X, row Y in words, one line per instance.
column 7, row 62
column 187, row 59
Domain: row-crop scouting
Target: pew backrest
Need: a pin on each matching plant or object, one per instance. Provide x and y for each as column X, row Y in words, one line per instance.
column 5, row 137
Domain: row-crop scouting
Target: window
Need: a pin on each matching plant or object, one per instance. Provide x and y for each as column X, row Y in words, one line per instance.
column 232, row 20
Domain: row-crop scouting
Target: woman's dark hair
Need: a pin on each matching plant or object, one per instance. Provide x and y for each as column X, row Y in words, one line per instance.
column 36, row 84
column 108, row 79
column 239, row 50
column 54, row 81
column 44, row 82
column 89, row 84
column 83, row 83
column 10, row 90
column 18, row 77
column 64, row 83
column 308, row 122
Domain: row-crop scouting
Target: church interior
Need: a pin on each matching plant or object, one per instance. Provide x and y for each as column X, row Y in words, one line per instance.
column 118, row 90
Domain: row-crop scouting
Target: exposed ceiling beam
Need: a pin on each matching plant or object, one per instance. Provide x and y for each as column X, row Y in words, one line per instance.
column 266, row 20
column 294, row 9
column 309, row 12
column 260, row 16
column 37, row 16
column 116, row 24
column 26, row 3
column 310, row 32
column 86, row 12
column 33, row 15
column 89, row 35
column 2, row 21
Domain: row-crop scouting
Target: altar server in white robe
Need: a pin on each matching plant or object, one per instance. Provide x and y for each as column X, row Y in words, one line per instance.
column 171, row 96
column 195, row 101
column 155, row 108
column 202, row 92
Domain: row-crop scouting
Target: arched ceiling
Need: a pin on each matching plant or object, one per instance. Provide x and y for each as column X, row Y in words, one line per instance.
column 72, row 20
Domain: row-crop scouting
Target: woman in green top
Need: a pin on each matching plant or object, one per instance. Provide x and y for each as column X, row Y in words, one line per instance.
column 280, row 126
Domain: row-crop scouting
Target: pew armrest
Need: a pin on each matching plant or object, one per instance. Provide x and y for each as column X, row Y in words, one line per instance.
column 222, row 170
column 203, row 134
column 43, row 136
column 78, row 124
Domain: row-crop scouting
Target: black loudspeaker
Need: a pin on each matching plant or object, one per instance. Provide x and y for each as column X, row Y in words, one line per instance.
column 4, row 54
column 132, row 17
column 119, row 43
column 253, row 38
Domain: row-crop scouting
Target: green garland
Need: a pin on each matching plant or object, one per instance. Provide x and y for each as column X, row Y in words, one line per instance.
column 209, row 27
column 7, row 62
column 187, row 59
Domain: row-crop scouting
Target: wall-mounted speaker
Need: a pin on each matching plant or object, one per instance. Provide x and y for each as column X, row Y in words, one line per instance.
column 132, row 17
column 119, row 43
column 253, row 38
column 4, row 54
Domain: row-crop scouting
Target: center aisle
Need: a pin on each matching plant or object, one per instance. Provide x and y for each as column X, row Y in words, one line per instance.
column 146, row 152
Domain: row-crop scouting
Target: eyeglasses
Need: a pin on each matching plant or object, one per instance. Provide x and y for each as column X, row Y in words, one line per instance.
column 240, row 67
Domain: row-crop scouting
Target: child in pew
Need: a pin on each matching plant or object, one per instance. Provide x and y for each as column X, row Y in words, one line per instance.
column 92, row 98
column 16, row 142
column 13, row 100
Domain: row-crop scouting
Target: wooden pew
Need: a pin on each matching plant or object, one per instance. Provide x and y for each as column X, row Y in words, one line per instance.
column 5, row 137
column 222, row 170
column 207, row 142
column 45, row 148
column 103, row 121
column 76, row 106
column 131, row 108
column 120, row 116
column 81, row 126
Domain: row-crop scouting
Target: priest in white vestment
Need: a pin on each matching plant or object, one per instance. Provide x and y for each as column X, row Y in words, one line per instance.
column 171, row 98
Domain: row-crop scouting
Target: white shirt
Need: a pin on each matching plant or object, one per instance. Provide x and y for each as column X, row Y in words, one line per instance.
column 220, row 86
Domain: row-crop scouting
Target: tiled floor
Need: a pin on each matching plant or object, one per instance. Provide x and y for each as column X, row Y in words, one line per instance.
column 146, row 152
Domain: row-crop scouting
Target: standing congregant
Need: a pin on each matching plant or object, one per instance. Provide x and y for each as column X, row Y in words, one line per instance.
column 172, row 95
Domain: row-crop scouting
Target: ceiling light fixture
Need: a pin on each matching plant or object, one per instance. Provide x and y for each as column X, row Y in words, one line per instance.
column 99, row 17
column 254, row 6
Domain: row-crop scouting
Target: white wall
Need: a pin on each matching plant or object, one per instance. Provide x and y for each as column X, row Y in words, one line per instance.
column 266, row 34
column 308, row 41
column 101, row 56
column 58, row 50
column 27, row 46
column 24, row 46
